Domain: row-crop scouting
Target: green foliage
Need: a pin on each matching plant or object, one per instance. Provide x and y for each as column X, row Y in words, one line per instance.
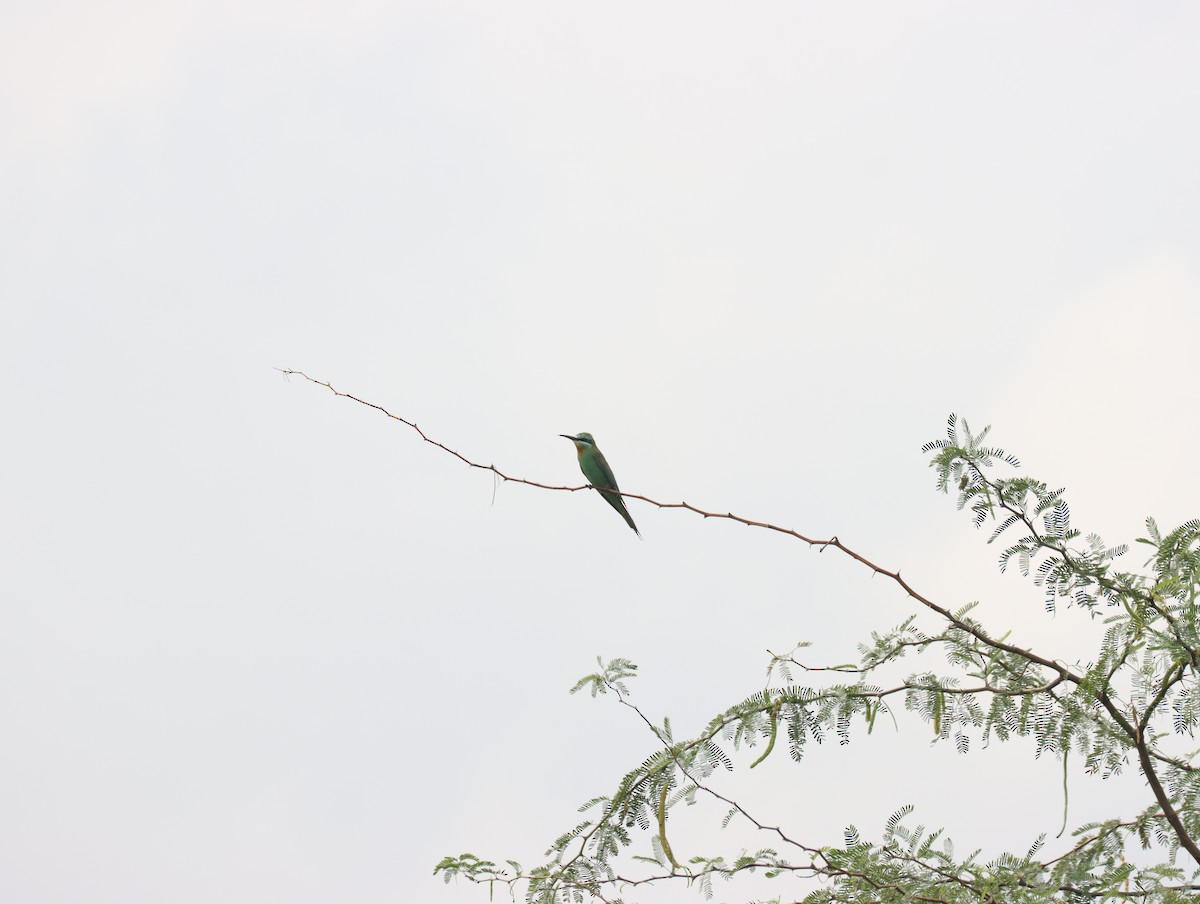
column 1128, row 708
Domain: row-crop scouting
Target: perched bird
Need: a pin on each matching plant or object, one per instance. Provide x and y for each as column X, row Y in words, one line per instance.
column 599, row 474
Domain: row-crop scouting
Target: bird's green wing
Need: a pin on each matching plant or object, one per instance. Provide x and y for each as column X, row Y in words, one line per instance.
column 600, row 474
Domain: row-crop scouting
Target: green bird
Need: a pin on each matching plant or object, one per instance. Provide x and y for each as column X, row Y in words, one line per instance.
column 599, row 474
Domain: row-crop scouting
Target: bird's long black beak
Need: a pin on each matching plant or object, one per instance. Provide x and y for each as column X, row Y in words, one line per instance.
column 564, row 436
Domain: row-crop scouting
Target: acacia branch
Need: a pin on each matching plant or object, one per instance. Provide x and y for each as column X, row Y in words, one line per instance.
column 831, row 542
column 823, row 869
column 1065, row 553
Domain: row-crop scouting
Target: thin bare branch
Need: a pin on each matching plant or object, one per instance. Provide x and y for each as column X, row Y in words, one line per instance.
column 831, row 542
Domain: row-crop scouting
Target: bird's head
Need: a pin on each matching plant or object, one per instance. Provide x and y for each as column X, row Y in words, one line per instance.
column 582, row 442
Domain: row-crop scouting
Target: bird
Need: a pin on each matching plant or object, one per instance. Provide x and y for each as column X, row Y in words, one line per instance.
column 595, row 468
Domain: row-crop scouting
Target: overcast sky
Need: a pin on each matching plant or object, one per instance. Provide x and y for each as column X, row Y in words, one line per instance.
column 258, row 643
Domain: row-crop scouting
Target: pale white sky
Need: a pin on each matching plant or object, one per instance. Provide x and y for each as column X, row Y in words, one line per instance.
column 261, row 644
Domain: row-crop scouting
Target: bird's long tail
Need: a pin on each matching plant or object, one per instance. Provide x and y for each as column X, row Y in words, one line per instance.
column 619, row 504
